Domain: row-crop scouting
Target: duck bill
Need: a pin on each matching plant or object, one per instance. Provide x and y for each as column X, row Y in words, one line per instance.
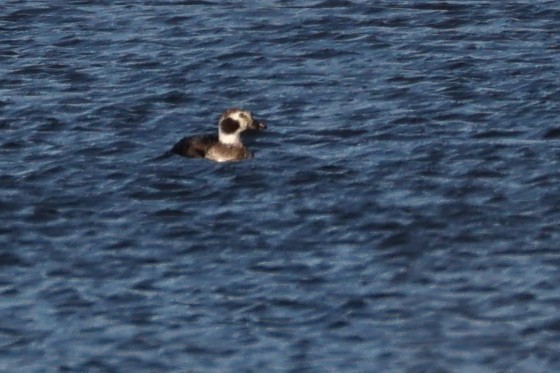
column 257, row 125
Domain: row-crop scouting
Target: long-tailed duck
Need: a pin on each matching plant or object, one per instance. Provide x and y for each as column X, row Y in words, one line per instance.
column 227, row 145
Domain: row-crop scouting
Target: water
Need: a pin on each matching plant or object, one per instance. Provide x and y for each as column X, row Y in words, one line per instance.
column 400, row 215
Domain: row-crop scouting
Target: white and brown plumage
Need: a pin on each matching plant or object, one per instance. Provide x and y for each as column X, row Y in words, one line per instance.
column 225, row 147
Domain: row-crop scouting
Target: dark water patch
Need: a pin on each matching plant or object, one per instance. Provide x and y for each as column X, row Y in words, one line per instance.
column 327, row 4
column 69, row 42
column 8, row 259
column 483, row 173
column 26, row 15
column 494, row 134
column 344, row 133
column 552, row 133
column 12, row 146
column 8, row 53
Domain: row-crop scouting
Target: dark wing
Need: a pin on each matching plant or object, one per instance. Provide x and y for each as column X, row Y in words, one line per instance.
column 194, row 146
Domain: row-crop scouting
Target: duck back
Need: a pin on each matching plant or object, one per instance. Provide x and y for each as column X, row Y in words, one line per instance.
column 194, row 147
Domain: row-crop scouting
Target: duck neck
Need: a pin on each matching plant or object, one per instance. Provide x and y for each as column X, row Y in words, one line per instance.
column 229, row 139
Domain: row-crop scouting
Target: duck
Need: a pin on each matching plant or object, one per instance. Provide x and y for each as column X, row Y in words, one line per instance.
column 227, row 145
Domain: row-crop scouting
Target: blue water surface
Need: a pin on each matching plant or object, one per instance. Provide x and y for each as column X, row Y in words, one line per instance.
column 401, row 212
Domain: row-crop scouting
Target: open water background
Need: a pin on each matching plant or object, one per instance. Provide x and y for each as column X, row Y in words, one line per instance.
column 401, row 213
